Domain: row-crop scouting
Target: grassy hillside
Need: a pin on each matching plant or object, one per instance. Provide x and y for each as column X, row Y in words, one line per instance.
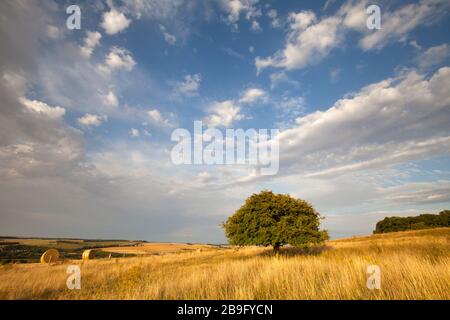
column 414, row 265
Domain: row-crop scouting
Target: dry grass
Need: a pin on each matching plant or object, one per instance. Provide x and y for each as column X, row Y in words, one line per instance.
column 414, row 265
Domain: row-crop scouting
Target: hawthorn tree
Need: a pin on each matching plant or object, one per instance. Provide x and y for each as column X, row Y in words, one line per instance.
column 274, row 219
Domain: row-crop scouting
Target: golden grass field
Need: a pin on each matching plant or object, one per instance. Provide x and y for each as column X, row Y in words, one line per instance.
column 414, row 265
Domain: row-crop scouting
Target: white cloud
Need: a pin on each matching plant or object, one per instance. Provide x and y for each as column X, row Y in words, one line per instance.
column 310, row 39
column 155, row 115
column 307, row 42
column 255, row 26
column 90, row 42
column 235, row 8
column 276, row 78
column 157, row 118
column 396, row 25
column 114, row 21
column 355, row 16
column 169, row 38
column 433, row 56
column 252, row 94
column 418, row 192
column 223, row 114
column 288, row 109
column 190, row 85
column 118, row 58
column 54, row 32
column 275, row 21
column 134, row 132
column 386, row 123
column 302, row 20
column 110, row 99
column 43, row 109
column 92, row 120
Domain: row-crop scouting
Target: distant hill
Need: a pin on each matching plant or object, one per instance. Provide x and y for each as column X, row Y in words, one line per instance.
column 423, row 221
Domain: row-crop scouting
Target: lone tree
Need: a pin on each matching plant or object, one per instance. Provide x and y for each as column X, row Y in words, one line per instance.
column 274, row 219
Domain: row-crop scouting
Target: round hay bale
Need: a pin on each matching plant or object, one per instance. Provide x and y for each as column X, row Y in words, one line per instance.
column 50, row 256
column 88, row 254
column 199, row 250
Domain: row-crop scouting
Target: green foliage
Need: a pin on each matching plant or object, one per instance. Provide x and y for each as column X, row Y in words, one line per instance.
column 274, row 219
column 423, row 221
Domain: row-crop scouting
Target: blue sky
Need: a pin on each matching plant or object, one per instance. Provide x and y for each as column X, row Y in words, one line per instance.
column 88, row 114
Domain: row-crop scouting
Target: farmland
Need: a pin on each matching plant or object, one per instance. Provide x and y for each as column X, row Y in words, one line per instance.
column 413, row 264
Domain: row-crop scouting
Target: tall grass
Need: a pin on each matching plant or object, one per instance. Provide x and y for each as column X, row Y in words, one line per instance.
column 414, row 265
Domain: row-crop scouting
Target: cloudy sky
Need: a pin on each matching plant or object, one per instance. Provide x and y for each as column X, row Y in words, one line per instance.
column 86, row 115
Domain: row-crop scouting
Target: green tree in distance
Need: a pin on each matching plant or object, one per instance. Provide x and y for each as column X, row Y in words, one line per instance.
column 423, row 221
column 274, row 219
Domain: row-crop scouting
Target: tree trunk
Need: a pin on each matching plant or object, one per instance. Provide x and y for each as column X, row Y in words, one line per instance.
column 276, row 248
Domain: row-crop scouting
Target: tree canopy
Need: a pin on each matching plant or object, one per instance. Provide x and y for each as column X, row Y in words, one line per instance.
column 274, row 219
column 423, row 221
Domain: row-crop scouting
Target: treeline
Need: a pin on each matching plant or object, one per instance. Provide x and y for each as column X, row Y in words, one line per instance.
column 423, row 221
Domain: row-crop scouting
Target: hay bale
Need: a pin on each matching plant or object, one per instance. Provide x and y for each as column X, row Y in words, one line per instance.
column 88, row 254
column 199, row 250
column 50, row 256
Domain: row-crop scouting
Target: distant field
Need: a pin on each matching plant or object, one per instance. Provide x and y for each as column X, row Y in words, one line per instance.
column 24, row 250
column 414, row 265
column 66, row 244
column 158, row 248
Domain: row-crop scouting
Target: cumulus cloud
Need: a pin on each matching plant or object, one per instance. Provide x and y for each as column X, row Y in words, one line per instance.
column 236, row 8
column 252, row 94
column 310, row 39
column 155, row 115
column 43, row 109
column 91, row 41
column 190, row 85
column 307, row 43
column 110, row 99
column 157, row 118
column 114, row 21
column 118, row 58
column 92, row 120
column 223, row 114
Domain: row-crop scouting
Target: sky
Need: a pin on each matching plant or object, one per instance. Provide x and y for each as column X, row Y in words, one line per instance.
column 87, row 115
